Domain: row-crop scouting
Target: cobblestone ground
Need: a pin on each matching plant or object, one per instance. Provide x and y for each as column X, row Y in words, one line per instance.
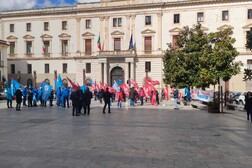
column 127, row 138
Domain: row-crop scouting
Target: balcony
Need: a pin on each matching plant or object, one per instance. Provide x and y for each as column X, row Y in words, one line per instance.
column 117, row 53
column 1, row 63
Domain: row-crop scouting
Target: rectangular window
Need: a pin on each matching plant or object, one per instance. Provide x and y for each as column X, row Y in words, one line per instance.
column 46, row 47
column 64, row 25
column 28, row 47
column 29, row 68
column 200, row 17
column 117, row 44
column 88, row 46
column 64, row 68
column 13, row 68
column 11, row 27
column 117, row 22
column 176, row 18
column 249, row 64
column 88, row 67
column 249, row 13
column 147, row 66
column 147, row 20
column 88, row 24
column 147, row 43
column 224, row 15
column 12, row 48
column 46, row 26
column 46, row 68
column 174, row 41
column 28, row 27
column 64, row 47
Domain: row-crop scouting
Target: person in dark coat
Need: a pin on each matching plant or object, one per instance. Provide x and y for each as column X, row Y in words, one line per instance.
column 87, row 101
column 248, row 105
column 51, row 98
column 75, row 103
column 106, row 96
column 30, row 97
column 18, row 99
column 80, row 96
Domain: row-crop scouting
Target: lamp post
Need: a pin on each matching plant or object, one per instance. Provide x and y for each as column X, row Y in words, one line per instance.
column 84, row 77
column 55, row 78
column 35, row 78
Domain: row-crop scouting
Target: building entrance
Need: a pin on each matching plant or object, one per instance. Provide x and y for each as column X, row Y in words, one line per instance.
column 116, row 74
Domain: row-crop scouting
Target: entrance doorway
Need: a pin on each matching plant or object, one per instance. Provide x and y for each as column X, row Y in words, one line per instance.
column 116, row 74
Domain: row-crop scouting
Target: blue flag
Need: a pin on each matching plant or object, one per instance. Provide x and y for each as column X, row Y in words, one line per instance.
column 59, row 82
column 46, row 92
column 131, row 46
column 83, row 88
column 115, row 86
column 14, row 86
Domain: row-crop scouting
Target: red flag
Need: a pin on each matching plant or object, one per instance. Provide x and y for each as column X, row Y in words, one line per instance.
column 132, row 82
column 99, row 43
column 125, row 89
column 75, row 87
column 152, row 82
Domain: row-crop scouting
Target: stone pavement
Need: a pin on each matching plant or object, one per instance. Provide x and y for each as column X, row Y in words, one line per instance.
column 154, row 137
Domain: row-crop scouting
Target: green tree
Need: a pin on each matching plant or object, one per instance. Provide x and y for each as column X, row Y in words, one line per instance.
column 201, row 58
column 248, row 72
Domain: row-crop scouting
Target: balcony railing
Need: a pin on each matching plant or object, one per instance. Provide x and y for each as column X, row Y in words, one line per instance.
column 116, row 53
column 1, row 63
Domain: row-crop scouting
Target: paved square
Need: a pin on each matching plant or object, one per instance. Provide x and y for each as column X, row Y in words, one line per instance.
column 127, row 138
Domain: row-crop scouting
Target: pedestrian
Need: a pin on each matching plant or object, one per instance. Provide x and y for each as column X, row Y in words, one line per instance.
column 176, row 95
column 248, row 105
column 75, row 103
column 51, row 97
column 80, row 96
column 25, row 93
column 87, row 101
column 141, row 95
column 106, row 96
column 30, row 97
column 157, row 97
column 18, row 99
column 9, row 97
column 120, row 98
column 58, row 96
column 132, row 95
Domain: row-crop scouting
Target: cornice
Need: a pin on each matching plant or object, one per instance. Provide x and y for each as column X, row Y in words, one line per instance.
column 75, row 10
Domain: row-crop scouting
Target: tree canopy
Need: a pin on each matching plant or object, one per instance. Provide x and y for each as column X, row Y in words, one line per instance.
column 201, row 59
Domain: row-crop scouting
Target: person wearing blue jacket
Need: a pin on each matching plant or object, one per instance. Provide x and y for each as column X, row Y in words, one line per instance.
column 9, row 98
column 65, row 95
column 25, row 93
column 58, row 96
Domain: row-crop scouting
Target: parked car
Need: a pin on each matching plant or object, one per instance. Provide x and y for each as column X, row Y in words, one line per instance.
column 234, row 97
column 2, row 94
column 241, row 99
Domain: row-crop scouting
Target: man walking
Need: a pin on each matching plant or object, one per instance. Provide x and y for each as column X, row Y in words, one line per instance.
column 106, row 97
column 87, row 101
column 176, row 94
column 18, row 99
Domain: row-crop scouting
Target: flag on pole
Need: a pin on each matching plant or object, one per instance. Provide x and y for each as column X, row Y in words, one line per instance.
column 131, row 46
column 59, row 82
column 99, row 43
column 74, row 86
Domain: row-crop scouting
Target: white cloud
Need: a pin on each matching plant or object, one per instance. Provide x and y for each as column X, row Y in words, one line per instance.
column 16, row 4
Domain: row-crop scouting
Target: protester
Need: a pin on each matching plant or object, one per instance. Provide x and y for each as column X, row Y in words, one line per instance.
column 58, row 96
column 75, row 103
column 106, row 96
column 141, row 95
column 18, row 99
column 30, row 97
column 25, row 93
column 51, row 98
column 9, row 98
column 176, row 95
column 120, row 98
column 87, row 99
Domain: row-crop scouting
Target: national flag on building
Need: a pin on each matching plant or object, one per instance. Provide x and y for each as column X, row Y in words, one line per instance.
column 99, row 42
column 131, row 46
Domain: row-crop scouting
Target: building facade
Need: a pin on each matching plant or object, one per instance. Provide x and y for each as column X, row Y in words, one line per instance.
column 132, row 34
column 3, row 62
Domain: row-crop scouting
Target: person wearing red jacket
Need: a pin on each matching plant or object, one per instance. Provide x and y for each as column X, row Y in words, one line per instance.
column 120, row 98
column 141, row 95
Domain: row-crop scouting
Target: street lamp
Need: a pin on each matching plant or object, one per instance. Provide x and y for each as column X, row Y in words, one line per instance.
column 35, row 78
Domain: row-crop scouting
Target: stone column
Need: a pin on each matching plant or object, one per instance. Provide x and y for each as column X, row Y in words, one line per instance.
column 132, row 70
column 106, row 72
column 106, row 45
column 101, row 32
column 78, row 33
column 126, row 72
column 128, row 32
column 159, row 31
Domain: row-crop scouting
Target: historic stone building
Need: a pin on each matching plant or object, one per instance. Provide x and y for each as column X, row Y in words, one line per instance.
column 3, row 62
column 63, row 40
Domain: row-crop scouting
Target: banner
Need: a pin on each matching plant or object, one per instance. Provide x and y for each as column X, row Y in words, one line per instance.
column 202, row 95
column 14, row 86
column 46, row 92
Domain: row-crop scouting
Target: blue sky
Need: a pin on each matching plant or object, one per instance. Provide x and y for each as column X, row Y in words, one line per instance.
column 28, row 4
